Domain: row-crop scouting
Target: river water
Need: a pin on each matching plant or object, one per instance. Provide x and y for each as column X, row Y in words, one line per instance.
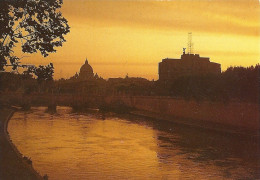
column 69, row 145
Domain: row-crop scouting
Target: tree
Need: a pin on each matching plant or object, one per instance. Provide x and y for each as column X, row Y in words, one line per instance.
column 36, row 24
column 43, row 73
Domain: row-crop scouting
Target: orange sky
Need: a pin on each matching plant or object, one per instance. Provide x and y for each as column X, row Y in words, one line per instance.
column 125, row 36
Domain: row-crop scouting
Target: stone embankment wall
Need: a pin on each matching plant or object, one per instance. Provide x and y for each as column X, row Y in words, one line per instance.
column 236, row 114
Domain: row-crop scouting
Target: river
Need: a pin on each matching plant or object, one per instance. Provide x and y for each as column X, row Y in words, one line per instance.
column 69, row 145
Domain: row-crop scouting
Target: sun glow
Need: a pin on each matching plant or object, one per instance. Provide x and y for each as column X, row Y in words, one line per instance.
column 120, row 37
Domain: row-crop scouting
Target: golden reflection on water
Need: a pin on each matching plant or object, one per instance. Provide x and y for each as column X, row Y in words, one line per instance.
column 83, row 146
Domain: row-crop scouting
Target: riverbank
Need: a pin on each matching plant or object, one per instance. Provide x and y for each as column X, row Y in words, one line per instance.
column 232, row 116
column 12, row 163
column 238, row 116
column 217, row 127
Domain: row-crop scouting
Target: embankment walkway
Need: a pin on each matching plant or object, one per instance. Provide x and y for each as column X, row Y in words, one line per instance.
column 12, row 164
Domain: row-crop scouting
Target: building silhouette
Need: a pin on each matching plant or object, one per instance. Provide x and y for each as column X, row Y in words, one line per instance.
column 189, row 65
column 86, row 72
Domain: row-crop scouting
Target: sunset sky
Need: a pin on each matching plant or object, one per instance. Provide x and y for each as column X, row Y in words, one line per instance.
column 125, row 36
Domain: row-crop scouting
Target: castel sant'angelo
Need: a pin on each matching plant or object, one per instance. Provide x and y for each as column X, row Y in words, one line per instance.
column 189, row 65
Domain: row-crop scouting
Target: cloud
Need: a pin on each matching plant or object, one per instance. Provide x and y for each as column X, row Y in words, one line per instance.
column 230, row 17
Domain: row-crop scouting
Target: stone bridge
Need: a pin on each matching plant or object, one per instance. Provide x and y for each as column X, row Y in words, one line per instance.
column 235, row 114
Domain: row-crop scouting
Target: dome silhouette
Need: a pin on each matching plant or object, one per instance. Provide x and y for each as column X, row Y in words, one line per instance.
column 86, row 71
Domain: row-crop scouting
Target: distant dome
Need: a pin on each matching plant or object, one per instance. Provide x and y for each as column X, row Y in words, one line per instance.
column 86, row 71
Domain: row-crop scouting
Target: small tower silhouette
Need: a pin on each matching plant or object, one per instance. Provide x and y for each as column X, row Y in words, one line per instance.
column 183, row 50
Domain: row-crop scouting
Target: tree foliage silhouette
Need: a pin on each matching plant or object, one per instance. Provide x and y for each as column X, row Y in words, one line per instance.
column 43, row 73
column 36, row 24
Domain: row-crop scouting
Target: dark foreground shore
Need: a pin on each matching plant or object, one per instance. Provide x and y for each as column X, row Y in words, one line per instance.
column 12, row 164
